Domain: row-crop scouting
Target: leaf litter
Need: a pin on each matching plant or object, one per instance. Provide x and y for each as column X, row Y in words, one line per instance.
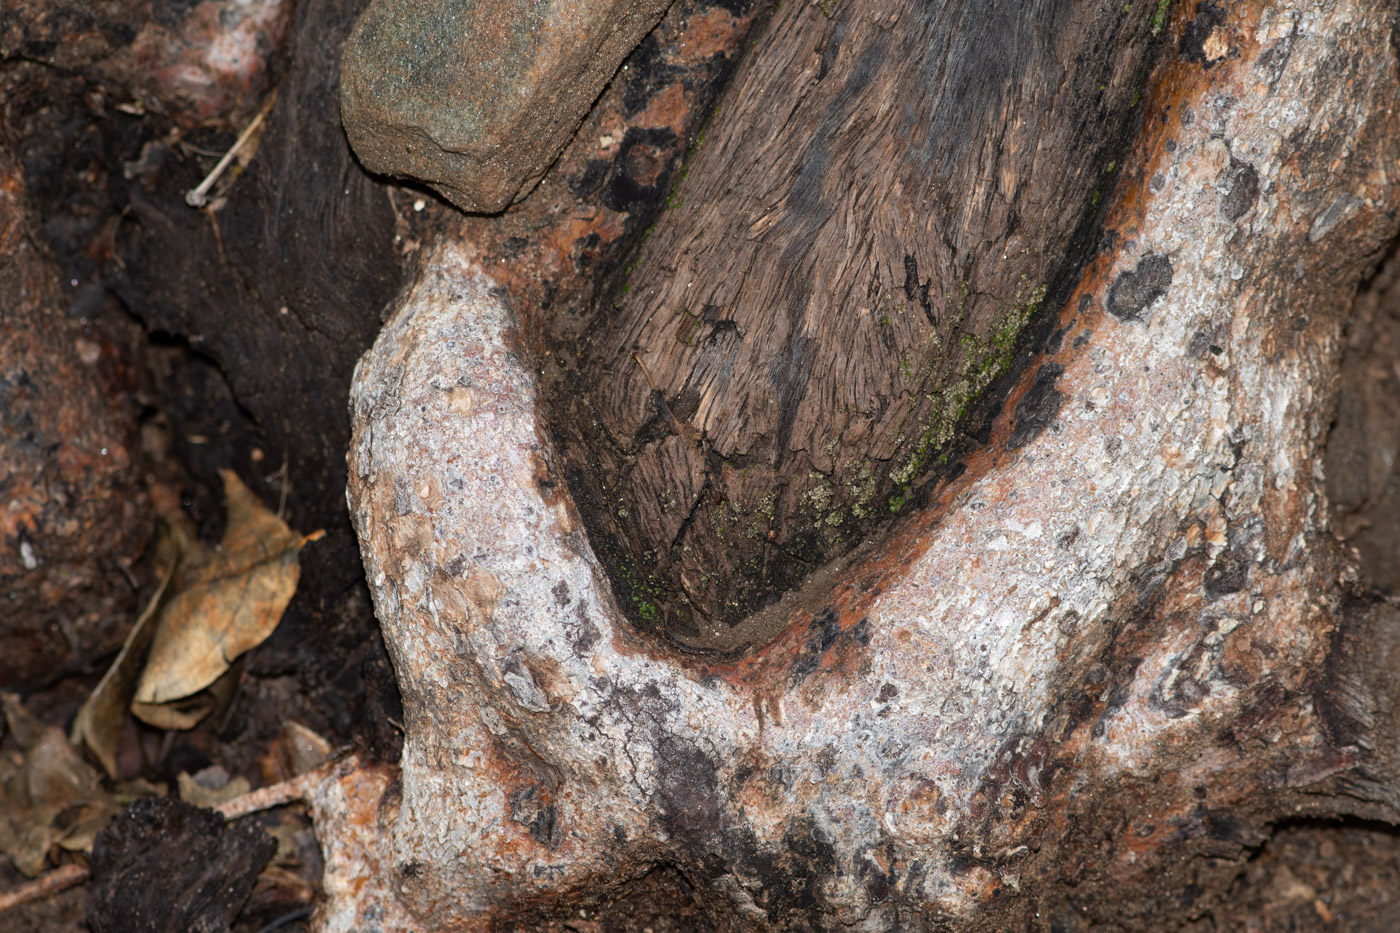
column 213, row 604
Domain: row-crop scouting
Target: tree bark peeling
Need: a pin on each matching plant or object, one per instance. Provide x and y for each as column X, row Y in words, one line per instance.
column 1095, row 654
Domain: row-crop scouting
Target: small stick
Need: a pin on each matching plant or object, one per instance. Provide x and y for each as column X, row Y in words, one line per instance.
column 199, row 196
column 60, row 879
column 274, row 795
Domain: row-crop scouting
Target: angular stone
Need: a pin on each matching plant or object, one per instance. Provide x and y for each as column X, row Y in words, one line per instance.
column 478, row 98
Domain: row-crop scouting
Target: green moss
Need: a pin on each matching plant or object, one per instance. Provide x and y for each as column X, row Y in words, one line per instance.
column 828, row 7
column 1159, row 18
column 643, row 592
column 818, row 498
column 862, row 492
column 982, row 362
column 717, row 523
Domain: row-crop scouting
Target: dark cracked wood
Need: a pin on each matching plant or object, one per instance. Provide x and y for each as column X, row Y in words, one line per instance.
column 888, row 194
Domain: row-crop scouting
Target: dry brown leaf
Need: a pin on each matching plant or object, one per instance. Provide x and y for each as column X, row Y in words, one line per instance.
column 98, row 724
column 51, row 798
column 81, row 824
column 188, row 712
column 226, row 600
column 306, row 748
column 177, row 715
column 210, row 787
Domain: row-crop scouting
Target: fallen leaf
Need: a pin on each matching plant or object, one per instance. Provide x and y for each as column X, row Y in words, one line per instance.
column 98, row 724
column 188, row 712
column 52, row 797
column 210, row 787
column 226, row 600
column 177, row 715
column 305, row 747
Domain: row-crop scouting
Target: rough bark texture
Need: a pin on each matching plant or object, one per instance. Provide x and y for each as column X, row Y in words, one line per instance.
column 477, row 97
column 847, row 267
column 1065, row 692
column 73, row 511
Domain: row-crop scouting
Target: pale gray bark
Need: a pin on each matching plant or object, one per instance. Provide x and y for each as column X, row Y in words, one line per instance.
column 1103, row 650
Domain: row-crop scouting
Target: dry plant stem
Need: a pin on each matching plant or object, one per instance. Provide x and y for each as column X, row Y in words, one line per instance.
column 1090, row 643
column 198, row 196
column 294, row 790
column 56, row 881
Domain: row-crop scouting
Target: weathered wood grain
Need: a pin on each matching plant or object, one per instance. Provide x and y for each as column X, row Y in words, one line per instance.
column 889, row 192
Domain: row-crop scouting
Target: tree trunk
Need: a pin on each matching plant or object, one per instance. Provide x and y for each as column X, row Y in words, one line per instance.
column 883, row 491
column 1072, row 683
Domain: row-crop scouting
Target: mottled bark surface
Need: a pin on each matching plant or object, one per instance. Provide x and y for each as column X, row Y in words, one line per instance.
column 1066, row 691
column 845, row 270
column 73, row 510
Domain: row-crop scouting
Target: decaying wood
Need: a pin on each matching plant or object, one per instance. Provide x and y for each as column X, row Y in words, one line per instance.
column 892, row 190
column 1073, row 685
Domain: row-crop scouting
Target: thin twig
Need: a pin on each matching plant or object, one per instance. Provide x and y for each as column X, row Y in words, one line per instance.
column 275, row 795
column 199, row 196
column 60, row 879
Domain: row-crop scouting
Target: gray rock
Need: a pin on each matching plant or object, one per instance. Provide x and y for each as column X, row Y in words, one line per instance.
column 477, row 97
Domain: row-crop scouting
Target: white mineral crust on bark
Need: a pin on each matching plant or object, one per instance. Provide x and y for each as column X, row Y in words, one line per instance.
column 513, row 658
